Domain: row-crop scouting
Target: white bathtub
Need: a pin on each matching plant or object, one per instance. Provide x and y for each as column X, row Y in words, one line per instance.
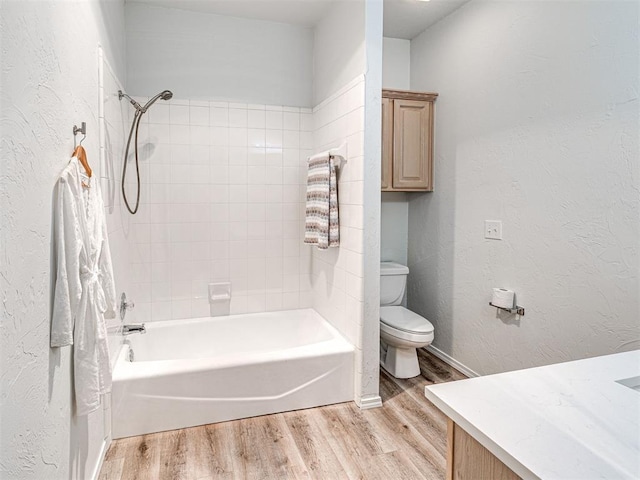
column 213, row 369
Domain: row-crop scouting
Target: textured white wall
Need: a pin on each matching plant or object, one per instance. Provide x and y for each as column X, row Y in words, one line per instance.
column 537, row 125
column 49, row 83
column 338, row 49
column 371, row 204
column 394, row 225
column 396, row 63
column 204, row 56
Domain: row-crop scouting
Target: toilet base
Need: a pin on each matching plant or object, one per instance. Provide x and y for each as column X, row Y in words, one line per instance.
column 399, row 362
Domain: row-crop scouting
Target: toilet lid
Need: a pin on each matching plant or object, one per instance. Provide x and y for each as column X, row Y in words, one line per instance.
column 402, row 319
column 392, row 268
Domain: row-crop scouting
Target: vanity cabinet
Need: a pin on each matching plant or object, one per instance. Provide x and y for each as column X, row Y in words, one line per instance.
column 468, row 460
column 407, row 141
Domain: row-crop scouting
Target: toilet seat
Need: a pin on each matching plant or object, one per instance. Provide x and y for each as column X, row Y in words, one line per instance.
column 398, row 317
column 404, row 324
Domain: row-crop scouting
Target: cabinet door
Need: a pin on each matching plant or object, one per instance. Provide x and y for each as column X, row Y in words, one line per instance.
column 387, row 143
column 412, row 145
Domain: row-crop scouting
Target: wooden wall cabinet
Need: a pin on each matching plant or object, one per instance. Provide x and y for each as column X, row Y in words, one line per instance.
column 407, row 141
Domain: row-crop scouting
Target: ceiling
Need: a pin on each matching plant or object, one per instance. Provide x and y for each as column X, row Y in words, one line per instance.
column 402, row 18
column 296, row 12
column 409, row 18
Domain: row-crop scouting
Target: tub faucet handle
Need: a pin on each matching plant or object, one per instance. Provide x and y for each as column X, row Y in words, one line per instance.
column 124, row 305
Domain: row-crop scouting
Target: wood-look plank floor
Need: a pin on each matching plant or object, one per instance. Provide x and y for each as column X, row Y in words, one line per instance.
column 405, row 439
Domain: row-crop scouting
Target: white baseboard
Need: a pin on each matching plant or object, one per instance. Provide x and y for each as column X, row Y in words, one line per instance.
column 451, row 361
column 103, row 452
column 372, row 401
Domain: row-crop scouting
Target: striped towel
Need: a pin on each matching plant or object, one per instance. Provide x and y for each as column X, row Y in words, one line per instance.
column 322, row 226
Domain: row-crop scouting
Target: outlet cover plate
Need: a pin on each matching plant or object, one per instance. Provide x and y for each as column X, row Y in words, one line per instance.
column 493, row 229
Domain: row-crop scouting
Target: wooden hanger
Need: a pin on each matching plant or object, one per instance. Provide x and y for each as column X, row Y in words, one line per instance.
column 81, row 153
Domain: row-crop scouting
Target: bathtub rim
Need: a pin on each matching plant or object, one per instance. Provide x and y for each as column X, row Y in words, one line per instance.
column 124, row 370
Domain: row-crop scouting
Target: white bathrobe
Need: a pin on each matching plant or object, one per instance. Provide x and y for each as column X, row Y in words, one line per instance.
column 84, row 287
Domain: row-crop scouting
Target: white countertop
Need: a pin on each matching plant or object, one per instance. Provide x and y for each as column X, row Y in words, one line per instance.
column 565, row 421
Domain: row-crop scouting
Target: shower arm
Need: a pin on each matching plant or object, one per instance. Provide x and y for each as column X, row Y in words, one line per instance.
column 136, row 105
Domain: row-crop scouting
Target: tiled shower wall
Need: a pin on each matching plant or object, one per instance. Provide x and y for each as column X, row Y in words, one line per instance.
column 337, row 273
column 223, row 189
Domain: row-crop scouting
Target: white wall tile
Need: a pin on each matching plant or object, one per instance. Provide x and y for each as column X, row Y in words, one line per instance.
column 256, row 119
column 256, row 137
column 199, row 154
column 256, row 175
column 199, row 115
column 273, row 194
column 219, row 174
column 180, row 134
column 273, row 138
column 224, row 203
column 237, row 212
column 220, row 231
column 290, row 300
column 179, row 114
column 199, row 135
column 273, row 175
column 220, row 212
column 306, row 122
column 336, row 286
column 158, row 134
column 159, row 114
column 237, row 117
column 219, row 136
column 237, row 175
column 273, row 119
column 273, row 157
column 238, row 231
column 238, row 155
column 291, row 139
column 160, row 311
column 256, row 194
column 238, row 137
column 291, row 121
column 256, row 156
column 237, row 193
column 218, row 116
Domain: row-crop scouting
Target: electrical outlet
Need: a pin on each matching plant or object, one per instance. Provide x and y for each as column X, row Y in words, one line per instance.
column 493, row 229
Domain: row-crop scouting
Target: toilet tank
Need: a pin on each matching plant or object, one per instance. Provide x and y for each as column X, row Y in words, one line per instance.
column 393, row 282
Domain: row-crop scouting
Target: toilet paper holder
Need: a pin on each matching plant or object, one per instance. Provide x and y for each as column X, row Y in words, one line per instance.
column 517, row 309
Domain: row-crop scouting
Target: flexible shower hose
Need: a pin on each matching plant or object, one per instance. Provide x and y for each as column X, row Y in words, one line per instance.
column 134, row 125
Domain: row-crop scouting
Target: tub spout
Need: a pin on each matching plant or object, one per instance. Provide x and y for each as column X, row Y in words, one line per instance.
column 129, row 329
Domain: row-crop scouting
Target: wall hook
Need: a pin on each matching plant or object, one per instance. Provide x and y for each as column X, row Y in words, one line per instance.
column 82, row 130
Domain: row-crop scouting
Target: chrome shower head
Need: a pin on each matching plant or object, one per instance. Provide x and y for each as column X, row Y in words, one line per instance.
column 164, row 95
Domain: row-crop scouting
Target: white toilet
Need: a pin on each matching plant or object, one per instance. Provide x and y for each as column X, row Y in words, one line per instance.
column 401, row 330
